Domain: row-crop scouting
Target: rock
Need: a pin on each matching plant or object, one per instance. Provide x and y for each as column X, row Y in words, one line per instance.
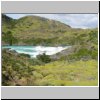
column 63, row 53
column 12, row 52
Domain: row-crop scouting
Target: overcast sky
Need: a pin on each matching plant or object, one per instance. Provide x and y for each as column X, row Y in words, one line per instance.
column 74, row 20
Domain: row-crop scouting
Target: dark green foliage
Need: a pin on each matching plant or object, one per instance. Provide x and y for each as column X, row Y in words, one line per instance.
column 25, row 55
column 15, row 66
column 94, row 36
column 7, row 23
column 18, row 66
column 40, row 41
column 44, row 58
column 83, row 54
column 9, row 38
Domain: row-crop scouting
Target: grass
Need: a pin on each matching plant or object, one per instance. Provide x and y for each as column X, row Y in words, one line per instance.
column 20, row 70
column 79, row 73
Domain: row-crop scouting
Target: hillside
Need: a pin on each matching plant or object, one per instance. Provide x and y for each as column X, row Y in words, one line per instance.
column 32, row 28
column 20, row 70
column 7, row 23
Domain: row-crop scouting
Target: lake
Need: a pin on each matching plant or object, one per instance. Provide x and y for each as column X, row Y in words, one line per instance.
column 33, row 51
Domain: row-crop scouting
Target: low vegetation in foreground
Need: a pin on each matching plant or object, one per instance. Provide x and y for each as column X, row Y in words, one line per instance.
column 21, row 70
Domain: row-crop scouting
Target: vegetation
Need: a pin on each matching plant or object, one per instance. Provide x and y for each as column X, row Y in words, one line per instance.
column 22, row 71
column 17, row 66
column 8, row 38
column 63, row 73
column 76, row 66
column 7, row 23
column 44, row 58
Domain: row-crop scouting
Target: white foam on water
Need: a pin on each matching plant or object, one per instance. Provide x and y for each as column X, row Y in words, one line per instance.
column 33, row 51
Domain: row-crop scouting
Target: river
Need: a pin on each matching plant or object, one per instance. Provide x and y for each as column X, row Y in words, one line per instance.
column 33, row 51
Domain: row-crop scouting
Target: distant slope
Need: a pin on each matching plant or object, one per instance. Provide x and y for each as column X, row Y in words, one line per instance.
column 7, row 23
column 85, row 46
column 31, row 30
column 34, row 30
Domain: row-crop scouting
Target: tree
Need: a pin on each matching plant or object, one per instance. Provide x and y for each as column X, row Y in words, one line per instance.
column 44, row 58
column 9, row 38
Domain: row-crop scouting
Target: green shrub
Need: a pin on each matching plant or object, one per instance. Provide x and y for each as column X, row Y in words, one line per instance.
column 24, row 55
column 44, row 58
column 9, row 38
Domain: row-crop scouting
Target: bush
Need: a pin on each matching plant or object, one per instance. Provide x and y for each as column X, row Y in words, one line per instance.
column 9, row 38
column 44, row 58
column 24, row 55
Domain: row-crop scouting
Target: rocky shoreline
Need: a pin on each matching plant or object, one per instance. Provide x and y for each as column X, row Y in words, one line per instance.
column 63, row 53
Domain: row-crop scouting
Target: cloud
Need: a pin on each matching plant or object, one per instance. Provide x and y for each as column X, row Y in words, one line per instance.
column 74, row 20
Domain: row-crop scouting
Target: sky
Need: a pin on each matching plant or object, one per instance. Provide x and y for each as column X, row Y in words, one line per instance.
column 74, row 20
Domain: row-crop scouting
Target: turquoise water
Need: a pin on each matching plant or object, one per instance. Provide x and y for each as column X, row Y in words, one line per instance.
column 33, row 51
